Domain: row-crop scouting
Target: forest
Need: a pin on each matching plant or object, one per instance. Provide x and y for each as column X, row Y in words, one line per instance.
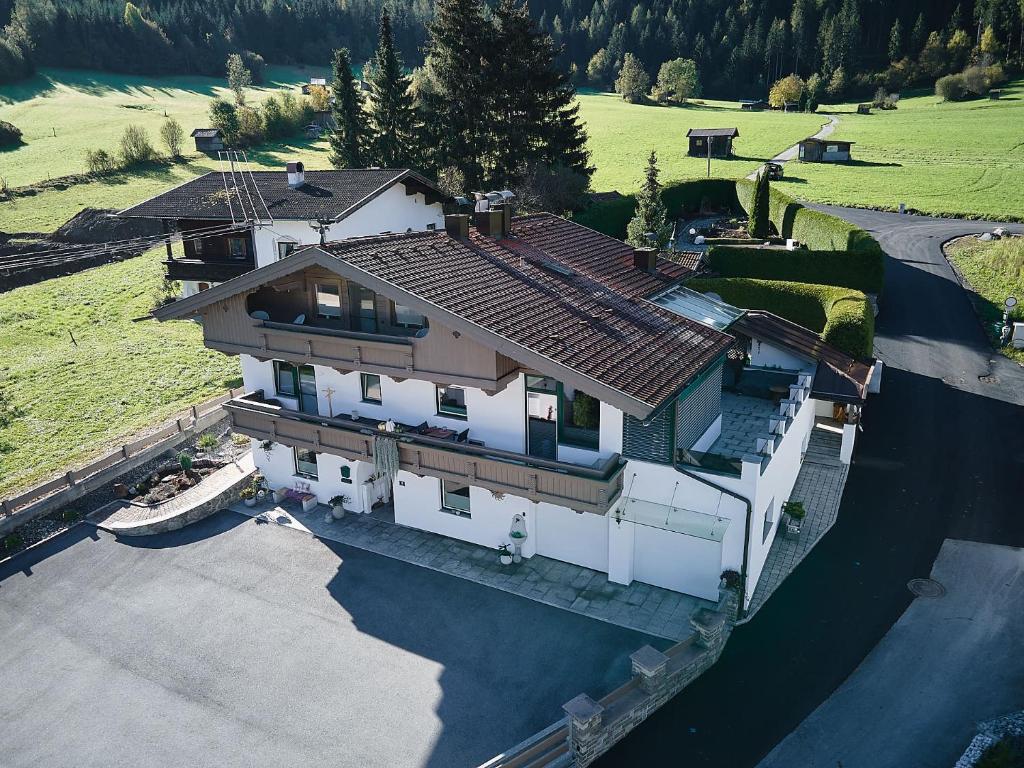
column 740, row 47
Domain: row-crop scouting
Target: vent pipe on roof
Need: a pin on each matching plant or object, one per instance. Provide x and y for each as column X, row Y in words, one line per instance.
column 296, row 174
column 645, row 259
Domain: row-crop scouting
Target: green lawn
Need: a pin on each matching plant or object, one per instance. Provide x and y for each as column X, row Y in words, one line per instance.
column 995, row 270
column 962, row 159
column 90, row 110
column 622, row 135
column 71, row 402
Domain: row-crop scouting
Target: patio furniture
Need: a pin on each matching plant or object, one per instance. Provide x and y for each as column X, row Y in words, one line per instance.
column 300, row 493
column 259, row 314
column 299, row 320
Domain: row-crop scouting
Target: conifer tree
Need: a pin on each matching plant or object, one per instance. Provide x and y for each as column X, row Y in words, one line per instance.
column 391, row 114
column 453, row 103
column 349, row 138
column 651, row 215
column 757, row 224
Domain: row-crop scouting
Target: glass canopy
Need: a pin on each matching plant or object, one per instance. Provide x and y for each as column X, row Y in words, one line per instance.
column 675, row 519
column 703, row 308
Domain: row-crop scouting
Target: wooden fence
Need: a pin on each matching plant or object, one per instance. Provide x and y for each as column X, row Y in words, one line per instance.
column 76, row 483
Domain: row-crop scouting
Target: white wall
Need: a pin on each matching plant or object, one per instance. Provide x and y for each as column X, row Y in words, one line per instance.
column 391, row 211
column 767, row 355
column 278, row 467
column 418, row 505
column 579, row 538
column 676, row 561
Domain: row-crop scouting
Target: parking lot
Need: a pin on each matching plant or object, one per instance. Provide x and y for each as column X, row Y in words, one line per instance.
column 231, row 643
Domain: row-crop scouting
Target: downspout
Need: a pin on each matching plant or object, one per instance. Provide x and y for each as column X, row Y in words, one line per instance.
column 746, row 531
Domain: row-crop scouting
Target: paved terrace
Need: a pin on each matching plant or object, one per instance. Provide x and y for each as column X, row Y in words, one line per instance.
column 656, row 611
column 744, row 419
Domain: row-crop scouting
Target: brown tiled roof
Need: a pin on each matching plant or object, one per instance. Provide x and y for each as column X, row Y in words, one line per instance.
column 329, row 194
column 557, row 289
column 839, row 376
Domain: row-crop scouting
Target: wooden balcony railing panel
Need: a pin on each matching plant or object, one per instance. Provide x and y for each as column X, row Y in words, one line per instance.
column 580, row 488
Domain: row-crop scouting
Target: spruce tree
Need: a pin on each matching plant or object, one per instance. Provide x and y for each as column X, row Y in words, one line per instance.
column 349, row 139
column 455, row 129
column 391, row 114
column 757, row 224
column 651, row 215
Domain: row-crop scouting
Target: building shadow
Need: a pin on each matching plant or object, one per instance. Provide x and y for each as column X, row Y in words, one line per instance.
column 208, row 528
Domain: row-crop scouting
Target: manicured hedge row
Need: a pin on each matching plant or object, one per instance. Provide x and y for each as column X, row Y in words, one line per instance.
column 842, row 316
column 850, row 269
column 682, row 197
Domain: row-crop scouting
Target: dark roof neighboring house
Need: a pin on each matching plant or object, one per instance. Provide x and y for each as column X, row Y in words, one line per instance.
column 205, row 133
column 558, row 297
column 324, row 195
column 829, row 140
column 731, row 133
column 839, row 377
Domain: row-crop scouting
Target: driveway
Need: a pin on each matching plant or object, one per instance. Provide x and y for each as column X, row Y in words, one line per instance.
column 941, row 456
column 230, row 643
column 897, row 710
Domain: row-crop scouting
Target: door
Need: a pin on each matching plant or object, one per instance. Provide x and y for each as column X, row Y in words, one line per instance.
column 542, row 417
column 307, row 390
column 364, row 309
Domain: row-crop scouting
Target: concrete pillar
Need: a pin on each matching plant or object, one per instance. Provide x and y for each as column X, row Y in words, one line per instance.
column 585, row 729
column 621, row 546
column 649, row 666
column 709, row 626
column 849, row 438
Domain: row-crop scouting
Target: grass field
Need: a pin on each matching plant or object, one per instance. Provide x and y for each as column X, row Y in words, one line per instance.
column 995, row 270
column 622, row 135
column 90, row 110
column 961, row 159
column 72, row 401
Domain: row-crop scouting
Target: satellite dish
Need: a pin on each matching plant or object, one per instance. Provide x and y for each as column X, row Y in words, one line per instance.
column 1011, row 302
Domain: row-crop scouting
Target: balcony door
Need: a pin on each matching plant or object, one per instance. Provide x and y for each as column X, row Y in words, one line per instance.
column 542, row 417
column 307, row 390
column 364, row 308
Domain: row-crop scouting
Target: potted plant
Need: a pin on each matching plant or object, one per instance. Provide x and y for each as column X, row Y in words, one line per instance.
column 338, row 505
column 795, row 514
column 504, row 554
column 248, row 496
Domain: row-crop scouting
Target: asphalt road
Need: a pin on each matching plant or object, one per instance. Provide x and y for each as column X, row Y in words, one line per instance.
column 233, row 644
column 941, row 456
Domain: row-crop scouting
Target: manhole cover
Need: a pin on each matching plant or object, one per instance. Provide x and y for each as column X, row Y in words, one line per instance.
column 926, row 588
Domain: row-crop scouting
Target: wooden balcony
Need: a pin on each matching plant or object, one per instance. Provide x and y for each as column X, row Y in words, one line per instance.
column 207, row 271
column 584, row 489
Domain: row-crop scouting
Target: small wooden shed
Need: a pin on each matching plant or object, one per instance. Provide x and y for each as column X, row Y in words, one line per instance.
column 208, row 139
column 314, row 82
column 814, row 150
column 714, row 141
column 753, row 105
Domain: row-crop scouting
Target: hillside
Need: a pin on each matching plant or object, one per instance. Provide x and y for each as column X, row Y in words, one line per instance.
column 960, row 159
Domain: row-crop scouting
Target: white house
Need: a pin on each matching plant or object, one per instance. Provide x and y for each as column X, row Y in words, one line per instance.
column 528, row 381
column 234, row 221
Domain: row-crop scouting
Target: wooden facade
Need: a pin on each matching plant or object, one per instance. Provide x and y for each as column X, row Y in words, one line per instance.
column 824, row 151
column 714, row 141
column 352, row 340
column 213, row 259
column 584, row 489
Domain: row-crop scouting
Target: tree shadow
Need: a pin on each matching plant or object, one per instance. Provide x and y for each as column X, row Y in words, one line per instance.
column 867, row 164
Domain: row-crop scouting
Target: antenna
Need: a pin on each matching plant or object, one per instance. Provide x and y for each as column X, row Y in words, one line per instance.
column 227, row 192
column 321, row 226
column 248, row 169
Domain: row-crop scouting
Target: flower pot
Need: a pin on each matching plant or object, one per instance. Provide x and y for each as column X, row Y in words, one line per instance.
column 261, row 495
column 506, row 559
column 337, row 512
column 249, row 502
column 279, row 495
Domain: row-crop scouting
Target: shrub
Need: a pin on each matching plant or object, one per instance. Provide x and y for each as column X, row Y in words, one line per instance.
column 173, row 136
column 135, row 146
column 842, row 316
column 224, row 116
column 250, row 126
column 10, row 134
column 100, row 161
column 951, row 88
column 860, row 270
column 633, row 81
column 207, row 442
column 185, row 461
column 757, row 224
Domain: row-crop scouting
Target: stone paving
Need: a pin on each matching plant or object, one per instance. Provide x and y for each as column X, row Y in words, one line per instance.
column 642, row 607
column 820, row 487
column 744, row 419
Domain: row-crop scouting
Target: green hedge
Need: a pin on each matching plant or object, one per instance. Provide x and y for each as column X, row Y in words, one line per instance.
column 849, row 269
column 610, row 217
column 842, row 316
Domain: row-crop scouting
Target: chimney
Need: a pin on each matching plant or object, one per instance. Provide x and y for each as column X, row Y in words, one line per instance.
column 457, row 225
column 645, row 259
column 296, row 175
column 490, row 223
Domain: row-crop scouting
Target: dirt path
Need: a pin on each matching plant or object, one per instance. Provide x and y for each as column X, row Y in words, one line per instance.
column 790, row 153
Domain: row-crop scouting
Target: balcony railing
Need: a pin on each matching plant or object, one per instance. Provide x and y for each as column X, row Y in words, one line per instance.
column 584, row 489
column 208, row 271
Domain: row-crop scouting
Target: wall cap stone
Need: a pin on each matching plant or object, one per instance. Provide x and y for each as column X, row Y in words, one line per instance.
column 583, row 708
column 649, row 661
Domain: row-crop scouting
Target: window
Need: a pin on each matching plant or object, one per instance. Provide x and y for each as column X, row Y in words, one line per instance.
column 581, row 419
column 455, row 497
column 832, row 148
column 237, row 248
column 285, row 248
column 451, row 401
column 407, row 318
column 328, row 301
column 371, row 388
column 364, row 308
column 802, row 152
column 305, row 463
column 286, row 379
